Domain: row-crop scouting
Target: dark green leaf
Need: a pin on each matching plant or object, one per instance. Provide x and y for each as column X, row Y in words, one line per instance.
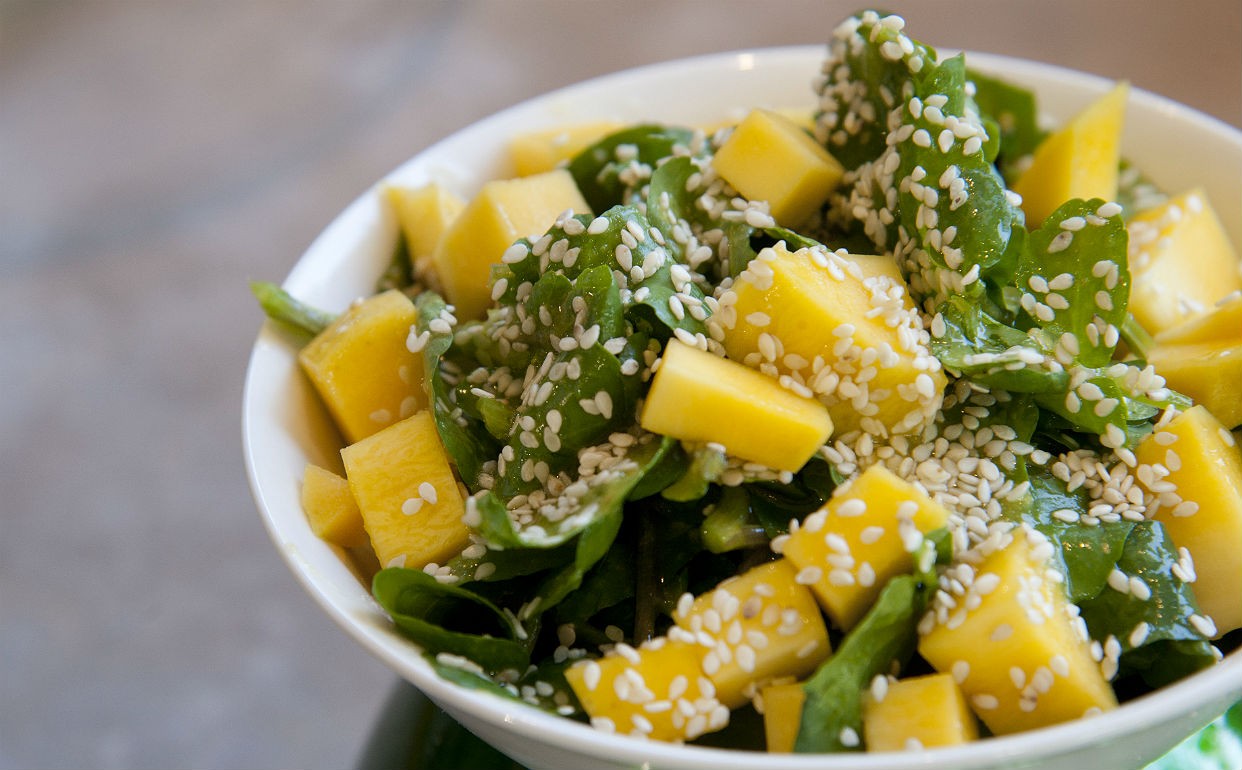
column 882, row 642
column 1013, row 110
column 1087, row 553
column 1088, row 251
column 399, row 274
column 450, row 619
column 1171, row 647
column 609, row 171
column 467, row 442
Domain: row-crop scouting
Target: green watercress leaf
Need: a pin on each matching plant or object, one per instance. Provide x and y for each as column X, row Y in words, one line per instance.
column 1171, row 647
column 1085, row 553
column 447, row 618
column 880, row 643
column 610, row 171
column 1014, row 111
column 467, row 441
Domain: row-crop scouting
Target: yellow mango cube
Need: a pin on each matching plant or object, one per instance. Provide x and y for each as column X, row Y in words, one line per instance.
column 771, row 158
column 407, row 494
column 1016, row 648
column 1208, row 372
column 917, row 713
column 1181, row 262
column 330, row 508
column 1222, row 323
column 755, row 627
column 782, row 715
column 1203, row 512
column 801, row 117
column 424, row 214
column 504, row 211
column 362, row 369
column 698, row 396
column 863, row 536
column 656, row 691
column 844, row 329
column 874, row 265
column 535, row 152
column 1080, row 160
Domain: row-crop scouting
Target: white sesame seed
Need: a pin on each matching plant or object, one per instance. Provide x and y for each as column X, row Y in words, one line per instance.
column 1203, row 625
column 985, row 702
column 851, row 507
column 809, row 575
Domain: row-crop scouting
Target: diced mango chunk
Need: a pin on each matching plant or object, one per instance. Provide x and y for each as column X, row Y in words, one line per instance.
column 504, row 211
column 1203, row 512
column 1202, row 358
column 771, row 158
column 749, row 414
column 1208, row 372
column 1080, row 160
column 330, row 508
column 424, row 214
column 407, row 494
column 1181, row 262
column 1222, row 323
column 654, row 691
column 916, row 713
column 863, row 536
column 1016, row 648
column 801, row 117
column 782, row 715
column 875, row 265
column 362, row 369
column 845, row 330
column 535, row 152
column 757, row 626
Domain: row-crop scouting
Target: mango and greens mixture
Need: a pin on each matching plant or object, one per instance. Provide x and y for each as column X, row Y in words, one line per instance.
column 891, row 423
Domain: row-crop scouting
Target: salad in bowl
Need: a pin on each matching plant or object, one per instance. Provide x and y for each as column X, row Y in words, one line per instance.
column 897, row 421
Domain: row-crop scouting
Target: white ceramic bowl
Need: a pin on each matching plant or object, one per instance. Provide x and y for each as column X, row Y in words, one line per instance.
column 284, row 427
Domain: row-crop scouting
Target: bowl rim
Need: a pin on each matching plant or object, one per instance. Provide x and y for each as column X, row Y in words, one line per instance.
column 378, row 637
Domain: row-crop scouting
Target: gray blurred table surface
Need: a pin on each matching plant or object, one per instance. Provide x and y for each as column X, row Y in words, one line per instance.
column 153, row 158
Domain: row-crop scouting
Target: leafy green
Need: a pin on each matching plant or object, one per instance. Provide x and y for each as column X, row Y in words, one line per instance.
column 594, row 523
column 706, row 465
column 610, row 171
column 862, row 59
column 977, row 346
column 1088, row 251
column 399, row 274
column 880, row 644
column 730, row 525
column 1014, row 112
column 447, row 618
column 1135, row 191
column 773, row 504
column 466, row 441
column 1171, row 647
column 502, row 565
column 1138, row 340
column 607, row 584
column 294, row 315
column 1086, row 553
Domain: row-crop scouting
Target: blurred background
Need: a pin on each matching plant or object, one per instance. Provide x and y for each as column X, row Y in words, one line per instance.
column 154, row 156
